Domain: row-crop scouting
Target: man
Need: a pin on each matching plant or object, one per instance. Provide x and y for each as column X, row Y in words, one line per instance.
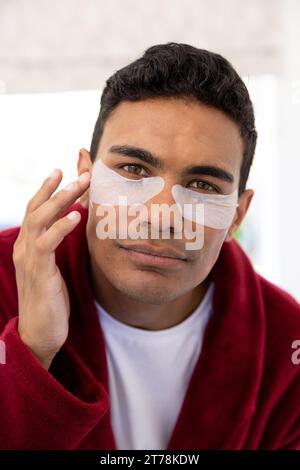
column 114, row 343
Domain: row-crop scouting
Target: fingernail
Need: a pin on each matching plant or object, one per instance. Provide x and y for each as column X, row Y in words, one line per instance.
column 53, row 174
column 72, row 215
column 69, row 187
column 84, row 177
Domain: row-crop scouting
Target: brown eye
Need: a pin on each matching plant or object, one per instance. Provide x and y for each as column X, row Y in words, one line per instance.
column 134, row 169
column 203, row 185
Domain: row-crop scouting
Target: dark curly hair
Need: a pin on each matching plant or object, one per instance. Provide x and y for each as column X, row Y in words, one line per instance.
column 181, row 70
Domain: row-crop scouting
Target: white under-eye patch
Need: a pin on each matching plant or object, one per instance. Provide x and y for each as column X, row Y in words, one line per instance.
column 108, row 187
column 219, row 209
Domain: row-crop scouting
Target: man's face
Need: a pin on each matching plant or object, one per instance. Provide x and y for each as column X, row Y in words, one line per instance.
column 180, row 134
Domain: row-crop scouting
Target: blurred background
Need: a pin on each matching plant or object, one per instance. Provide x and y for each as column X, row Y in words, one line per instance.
column 55, row 56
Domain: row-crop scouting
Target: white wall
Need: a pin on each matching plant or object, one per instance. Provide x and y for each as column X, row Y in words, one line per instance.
column 51, row 45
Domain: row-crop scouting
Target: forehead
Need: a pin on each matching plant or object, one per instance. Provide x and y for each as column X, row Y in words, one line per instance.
column 177, row 130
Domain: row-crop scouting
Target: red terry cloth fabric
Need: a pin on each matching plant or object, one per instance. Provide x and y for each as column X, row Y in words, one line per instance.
column 244, row 392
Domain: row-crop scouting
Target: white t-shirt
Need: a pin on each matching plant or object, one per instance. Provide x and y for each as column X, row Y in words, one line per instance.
column 149, row 372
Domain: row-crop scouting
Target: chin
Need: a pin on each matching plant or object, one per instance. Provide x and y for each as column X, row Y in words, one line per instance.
column 146, row 287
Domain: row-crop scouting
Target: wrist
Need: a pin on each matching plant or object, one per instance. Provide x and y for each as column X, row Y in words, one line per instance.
column 44, row 358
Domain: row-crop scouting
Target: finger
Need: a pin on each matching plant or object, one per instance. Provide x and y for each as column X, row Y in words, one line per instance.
column 48, row 187
column 49, row 241
column 49, row 211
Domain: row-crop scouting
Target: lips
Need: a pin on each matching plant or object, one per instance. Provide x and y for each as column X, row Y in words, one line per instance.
column 165, row 252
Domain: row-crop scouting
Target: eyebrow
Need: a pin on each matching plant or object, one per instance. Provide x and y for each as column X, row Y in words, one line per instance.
column 156, row 162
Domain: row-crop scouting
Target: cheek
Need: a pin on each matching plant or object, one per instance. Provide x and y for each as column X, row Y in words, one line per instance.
column 100, row 249
column 213, row 241
column 204, row 259
column 213, row 238
column 112, row 222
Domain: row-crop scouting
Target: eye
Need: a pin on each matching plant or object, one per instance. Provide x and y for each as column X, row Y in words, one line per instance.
column 134, row 169
column 204, row 186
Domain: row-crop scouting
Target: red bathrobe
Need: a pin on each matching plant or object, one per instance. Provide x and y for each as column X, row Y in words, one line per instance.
column 244, row 392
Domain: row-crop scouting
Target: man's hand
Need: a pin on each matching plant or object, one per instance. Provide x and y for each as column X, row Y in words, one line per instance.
column 43, row 299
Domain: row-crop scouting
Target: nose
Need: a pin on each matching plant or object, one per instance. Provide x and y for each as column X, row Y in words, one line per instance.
column 161, row 211
column 165, row 195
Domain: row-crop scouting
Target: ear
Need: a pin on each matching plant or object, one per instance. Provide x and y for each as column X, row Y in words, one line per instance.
column 244, row 202
column 84, row 163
